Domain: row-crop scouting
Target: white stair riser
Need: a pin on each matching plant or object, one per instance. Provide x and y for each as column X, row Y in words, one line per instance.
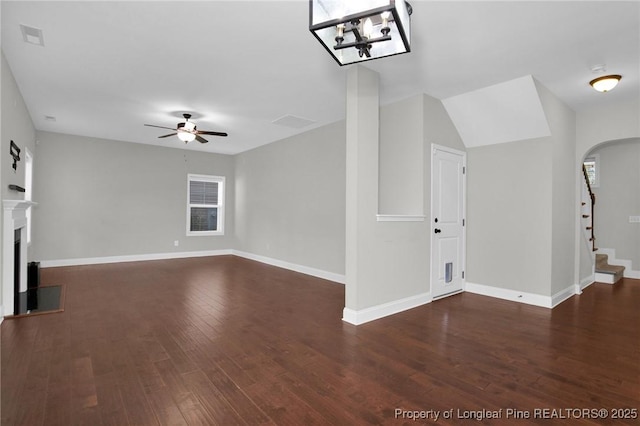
column 608, row 278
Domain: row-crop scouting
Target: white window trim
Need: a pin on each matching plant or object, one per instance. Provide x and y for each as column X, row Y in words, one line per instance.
column 220, row 205
column 596, row 160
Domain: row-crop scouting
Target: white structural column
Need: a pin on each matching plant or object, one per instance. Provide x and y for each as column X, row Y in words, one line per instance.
column 361, row 175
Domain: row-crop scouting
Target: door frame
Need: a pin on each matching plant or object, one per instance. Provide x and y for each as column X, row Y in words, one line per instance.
column 463, row 154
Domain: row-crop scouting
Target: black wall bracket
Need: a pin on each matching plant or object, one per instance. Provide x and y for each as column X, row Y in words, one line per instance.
column 15, row 153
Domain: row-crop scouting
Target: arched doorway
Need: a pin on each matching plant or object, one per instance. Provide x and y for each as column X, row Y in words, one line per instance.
column 615, row 181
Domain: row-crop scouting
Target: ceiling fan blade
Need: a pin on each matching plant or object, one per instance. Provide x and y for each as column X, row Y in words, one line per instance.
column 160, row 127
column 205, row 132
column 201, row 139
column 166, row 136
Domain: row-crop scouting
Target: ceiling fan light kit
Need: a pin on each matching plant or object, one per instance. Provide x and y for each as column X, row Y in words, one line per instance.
column 358, row 31
column 186, row 137
column 605, row 83
column 187, row 131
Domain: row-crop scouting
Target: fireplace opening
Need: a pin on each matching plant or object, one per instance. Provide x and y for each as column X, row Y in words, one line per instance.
column 16, row 270
column 35, row 299
column 46, row 299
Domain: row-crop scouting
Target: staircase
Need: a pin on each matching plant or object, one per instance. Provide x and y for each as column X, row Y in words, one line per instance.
column 588, row 203
column 605, row 273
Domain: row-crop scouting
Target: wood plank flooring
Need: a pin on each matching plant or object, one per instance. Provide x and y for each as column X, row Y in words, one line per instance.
column 228, row 341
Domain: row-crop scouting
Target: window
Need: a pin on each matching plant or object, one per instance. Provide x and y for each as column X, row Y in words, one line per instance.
column 205, row 205
column 28, row 188
column 591, row 163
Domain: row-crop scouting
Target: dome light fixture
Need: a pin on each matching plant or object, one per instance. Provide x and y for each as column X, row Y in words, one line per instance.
column 605, row 83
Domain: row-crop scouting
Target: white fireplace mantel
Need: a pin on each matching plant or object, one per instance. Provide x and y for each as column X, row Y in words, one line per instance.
column 17, row 204
column 14, row 217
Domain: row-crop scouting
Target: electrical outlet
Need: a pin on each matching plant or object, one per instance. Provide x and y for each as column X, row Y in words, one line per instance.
column 634, row 219
column 176, row 243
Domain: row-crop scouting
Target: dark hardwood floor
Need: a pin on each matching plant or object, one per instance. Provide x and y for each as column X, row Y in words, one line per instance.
column 224, row 340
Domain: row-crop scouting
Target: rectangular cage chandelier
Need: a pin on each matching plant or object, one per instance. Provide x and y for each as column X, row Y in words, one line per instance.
column 360, row 30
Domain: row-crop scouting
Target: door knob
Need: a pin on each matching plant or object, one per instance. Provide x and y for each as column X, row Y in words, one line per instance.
column 437, row 231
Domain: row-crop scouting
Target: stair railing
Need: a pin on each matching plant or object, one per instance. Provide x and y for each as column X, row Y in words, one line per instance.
column 593, row 203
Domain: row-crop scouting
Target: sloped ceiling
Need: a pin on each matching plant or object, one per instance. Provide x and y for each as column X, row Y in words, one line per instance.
column 505, row 112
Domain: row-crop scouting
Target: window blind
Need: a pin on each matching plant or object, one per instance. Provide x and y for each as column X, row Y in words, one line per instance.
column 201, row 192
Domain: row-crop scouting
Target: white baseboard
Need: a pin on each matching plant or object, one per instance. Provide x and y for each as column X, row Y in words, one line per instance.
column 521, row 296
column 628, row 273
column 563, row 295
column 181, row 255
column 325, row 275
column 585, row 282
column 507, row 294
column 131, row 258
column 379, row 311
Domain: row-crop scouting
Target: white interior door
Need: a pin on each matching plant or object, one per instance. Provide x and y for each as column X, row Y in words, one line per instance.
column 448, row 184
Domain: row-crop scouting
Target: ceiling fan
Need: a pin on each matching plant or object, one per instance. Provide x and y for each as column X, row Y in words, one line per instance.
column 187, row 131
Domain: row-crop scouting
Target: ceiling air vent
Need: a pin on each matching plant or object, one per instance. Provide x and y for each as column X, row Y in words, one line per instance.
column 32, row 35
column 293, row 122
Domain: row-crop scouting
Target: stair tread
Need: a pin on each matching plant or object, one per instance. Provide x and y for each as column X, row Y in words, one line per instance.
column 611, row 269
column 603, row 267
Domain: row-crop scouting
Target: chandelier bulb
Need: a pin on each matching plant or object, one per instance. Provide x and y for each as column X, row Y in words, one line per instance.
column 385, row 23
column 367, row 28
column 339, row 33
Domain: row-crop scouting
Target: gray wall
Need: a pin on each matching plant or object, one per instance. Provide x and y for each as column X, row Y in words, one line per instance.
column 100, row 198
column 3, row 70
column 522, row 208
column 617, row 198
column 438, row 127
column 509, row 215
column 16, row 126
column 606, row 122
column 565, row 203
column 389, row 261
column 407, row 130
column 392, row 259
column 401, row 158
column 290, row 199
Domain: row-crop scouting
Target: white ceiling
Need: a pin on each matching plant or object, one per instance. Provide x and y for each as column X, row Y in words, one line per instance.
column 109, row 67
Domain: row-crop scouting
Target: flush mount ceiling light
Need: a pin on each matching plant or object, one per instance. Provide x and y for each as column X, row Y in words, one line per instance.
column 605, row 83
column 357, row 31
